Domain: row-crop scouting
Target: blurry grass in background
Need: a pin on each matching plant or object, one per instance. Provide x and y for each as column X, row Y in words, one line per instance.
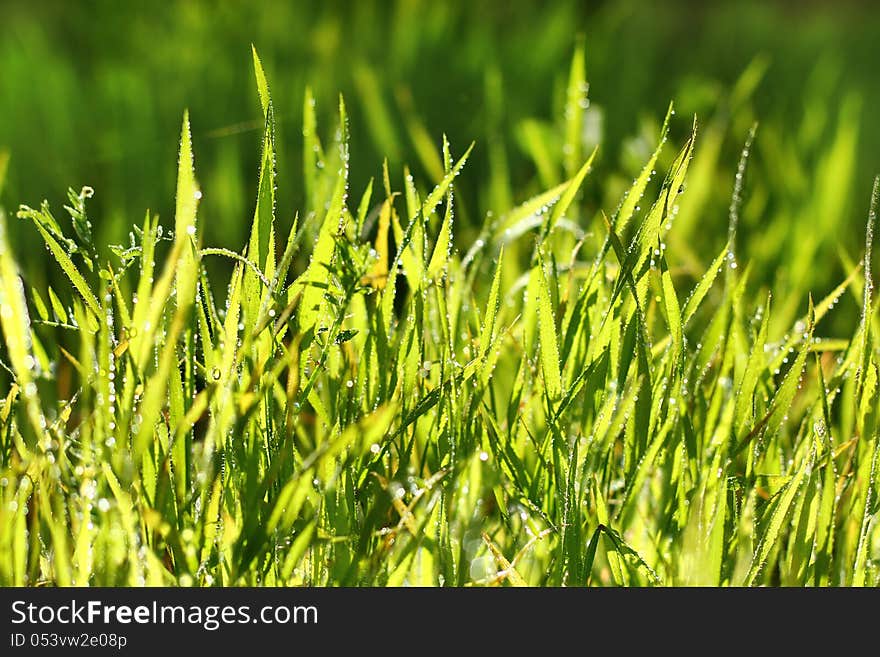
column 90, row 93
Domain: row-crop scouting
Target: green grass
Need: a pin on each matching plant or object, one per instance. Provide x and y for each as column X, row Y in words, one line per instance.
column 370, row 400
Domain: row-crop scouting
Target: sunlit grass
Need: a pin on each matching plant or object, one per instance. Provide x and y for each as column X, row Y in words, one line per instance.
column 565, row 400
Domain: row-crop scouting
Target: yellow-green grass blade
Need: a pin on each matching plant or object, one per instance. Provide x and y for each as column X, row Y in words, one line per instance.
column 568, row 196
column 40, row 305
column 784, row 396
column 313, row 153
column 672, row 310
column 70, row 270
column 867, row 475
column 433, row 199
column 754, row 367
column 575, row 104
column 548, row 343
column 865, row 327
column 261, row 245
column 16, row 325
column 635, row 193
column 443, row 246
column 779, row 516
column 487, row 331
column 703, row 286
column 317, row 274
column 185, row 224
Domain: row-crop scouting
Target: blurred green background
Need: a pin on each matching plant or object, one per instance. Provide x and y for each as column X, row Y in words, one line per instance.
column 92, row 93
